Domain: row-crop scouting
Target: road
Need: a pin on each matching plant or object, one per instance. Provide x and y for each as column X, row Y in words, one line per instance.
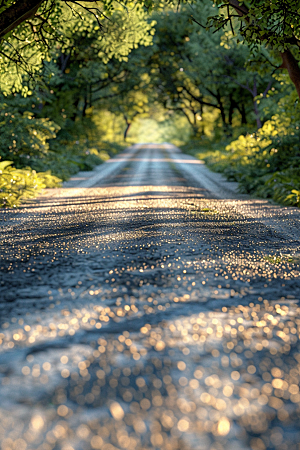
column 149, row 306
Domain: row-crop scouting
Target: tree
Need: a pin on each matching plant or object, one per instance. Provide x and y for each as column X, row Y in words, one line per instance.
column 40, row 14
column 129, row 94
column 28, row 27
column 196, row 71
column 57, row 27
column 273, row 23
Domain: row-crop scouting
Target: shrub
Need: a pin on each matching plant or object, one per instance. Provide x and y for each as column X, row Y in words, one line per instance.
column 265, row 163
column 17, row 185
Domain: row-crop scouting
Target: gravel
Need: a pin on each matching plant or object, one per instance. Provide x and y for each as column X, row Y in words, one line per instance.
column 148, row 305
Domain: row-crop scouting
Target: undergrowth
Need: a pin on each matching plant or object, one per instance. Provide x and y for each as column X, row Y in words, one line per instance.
column 36, row 152
column 48, row 171
column 66, row 159
column 17, row 185
column 265, row 163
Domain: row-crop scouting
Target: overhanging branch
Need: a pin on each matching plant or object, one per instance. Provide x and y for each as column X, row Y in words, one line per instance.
column 17, row 13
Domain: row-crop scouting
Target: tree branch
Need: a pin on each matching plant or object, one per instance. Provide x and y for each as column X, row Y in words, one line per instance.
column 17, row 13
column 240, row 9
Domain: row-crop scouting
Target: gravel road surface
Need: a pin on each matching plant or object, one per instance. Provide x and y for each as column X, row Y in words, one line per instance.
column 147, row 305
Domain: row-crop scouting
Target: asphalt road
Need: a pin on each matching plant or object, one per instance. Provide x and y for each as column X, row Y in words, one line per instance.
column 146, row 306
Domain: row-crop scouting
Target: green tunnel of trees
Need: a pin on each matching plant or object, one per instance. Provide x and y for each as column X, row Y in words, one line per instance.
column 80, row 80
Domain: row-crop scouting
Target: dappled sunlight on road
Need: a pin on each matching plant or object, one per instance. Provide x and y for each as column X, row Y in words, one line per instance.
column 179, row 161
column 147, row 316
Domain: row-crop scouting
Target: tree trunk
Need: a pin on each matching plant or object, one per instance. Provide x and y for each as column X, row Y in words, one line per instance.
column 85, row 105
column 64, row 61
column 243, row 114
column 291, row 64
column 75, row 113
column 255, row 105
column 17, row 13
column 128, row 125
column 256, row 111
column 231, row 109
column 223, row 115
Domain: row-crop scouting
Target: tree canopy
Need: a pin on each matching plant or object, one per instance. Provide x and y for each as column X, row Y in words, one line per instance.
column 28, row 28
column 274, row 24
column 55, row 28
column 78, row 79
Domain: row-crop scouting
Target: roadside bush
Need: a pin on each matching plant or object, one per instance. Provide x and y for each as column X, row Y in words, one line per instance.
column 17, row 185
column 265, row 163
column 23, row 136
column 36, row 152
column 66, row 158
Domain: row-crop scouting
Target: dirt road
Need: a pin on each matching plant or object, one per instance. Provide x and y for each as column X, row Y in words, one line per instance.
column 146, row 306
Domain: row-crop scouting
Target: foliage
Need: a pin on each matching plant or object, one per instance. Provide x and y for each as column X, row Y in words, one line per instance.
column 170, row 128
column 60, row 27
column 23, row 136
column 215, row 97
column 265, row 163
column 17, row 185
column 66, row 160
column 273, row 22
column 78, row 80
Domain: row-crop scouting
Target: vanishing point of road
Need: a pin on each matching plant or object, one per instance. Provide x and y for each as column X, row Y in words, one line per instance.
column 149, row 306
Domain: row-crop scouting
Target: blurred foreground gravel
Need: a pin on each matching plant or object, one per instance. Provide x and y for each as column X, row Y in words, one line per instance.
column 149, row 307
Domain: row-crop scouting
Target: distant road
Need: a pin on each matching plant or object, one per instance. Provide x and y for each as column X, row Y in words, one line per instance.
column 149, row 305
